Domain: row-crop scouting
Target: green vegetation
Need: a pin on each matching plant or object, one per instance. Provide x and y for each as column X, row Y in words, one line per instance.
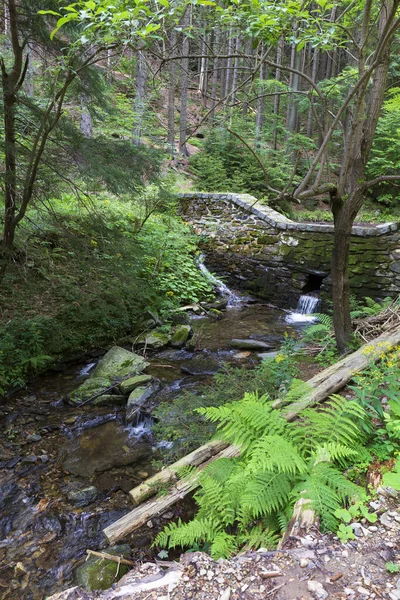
column 180, row 420
column 321, row 459
column 88, row 274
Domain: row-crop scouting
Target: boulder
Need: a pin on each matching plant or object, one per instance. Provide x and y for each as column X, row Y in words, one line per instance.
column 136, row 399
column 119, row 362
column 132, row 383
column 116, row 364
column 251, row 345
column 154, row 340
column 100, row 573
column 180, row 336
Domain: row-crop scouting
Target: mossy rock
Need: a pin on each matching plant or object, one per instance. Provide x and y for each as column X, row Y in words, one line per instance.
column 116, row 364
column 101, row 574
column 153, row 340
column 180, row 336
column 89, row 388
column 134, row 382
column 119, row 362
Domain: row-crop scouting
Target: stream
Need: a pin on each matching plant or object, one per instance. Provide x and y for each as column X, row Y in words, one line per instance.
column 63, row 475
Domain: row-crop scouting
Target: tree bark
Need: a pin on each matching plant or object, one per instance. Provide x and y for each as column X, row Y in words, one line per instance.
column 139, row 105
column 171, row 95
column 184, row 87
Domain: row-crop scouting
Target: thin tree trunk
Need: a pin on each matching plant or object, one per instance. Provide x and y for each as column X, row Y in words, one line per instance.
column 171, row 96
column 86, row 125
column 214, row 80
column 310, row 119
column 279, row 53
column 139, row 105
column 184, row 87
column 260, row 103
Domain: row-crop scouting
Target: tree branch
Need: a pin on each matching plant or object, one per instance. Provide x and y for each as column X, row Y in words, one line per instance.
column 381, row 179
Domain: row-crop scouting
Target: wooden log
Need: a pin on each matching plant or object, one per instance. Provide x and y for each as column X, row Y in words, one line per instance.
column 143, row 513
column 335, row 377
column 328, row 382
column 151, row 486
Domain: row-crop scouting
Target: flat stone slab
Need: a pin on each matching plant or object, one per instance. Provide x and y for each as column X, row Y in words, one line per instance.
column 251, row 345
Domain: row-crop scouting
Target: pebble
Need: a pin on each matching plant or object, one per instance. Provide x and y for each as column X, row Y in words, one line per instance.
column 33, row 437
column 303, row 563
column 317, row 588
column 373, row 528
column 44, row 458
column 349, row 591
column 362, row 590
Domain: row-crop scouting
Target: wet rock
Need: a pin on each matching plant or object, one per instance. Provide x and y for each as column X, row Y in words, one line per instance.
column 136, row 399
column 132, row 383
column 180, row 318
column 180, row 336
column 117, row 363
column 100, row 449
column 33, row 437
column 109, row 400
column 200, row 365
column 99, row 573
column 153, row 340
column 81, row 496
column 251, row 344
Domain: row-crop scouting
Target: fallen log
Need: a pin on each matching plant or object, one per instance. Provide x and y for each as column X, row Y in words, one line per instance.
column 151, row 486
column 326, row 383
column 335, row 377
column 143, row 513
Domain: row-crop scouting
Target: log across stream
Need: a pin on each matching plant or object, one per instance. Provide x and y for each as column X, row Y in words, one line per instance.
column 320, row 387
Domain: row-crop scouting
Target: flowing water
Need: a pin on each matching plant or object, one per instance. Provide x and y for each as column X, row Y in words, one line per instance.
column 50, row 449
column 305, row 311
column 233, row 298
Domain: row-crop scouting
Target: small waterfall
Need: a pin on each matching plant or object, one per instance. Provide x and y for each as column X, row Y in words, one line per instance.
column 233, row 299
column 306, row 308
column 307, row 305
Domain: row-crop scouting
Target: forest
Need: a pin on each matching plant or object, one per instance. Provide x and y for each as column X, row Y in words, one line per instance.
column 199, row 292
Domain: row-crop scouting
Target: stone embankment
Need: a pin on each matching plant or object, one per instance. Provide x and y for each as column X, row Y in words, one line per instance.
column 263, row 252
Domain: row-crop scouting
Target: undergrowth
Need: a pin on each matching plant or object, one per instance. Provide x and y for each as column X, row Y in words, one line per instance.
column 179, row 420
column 86, row 276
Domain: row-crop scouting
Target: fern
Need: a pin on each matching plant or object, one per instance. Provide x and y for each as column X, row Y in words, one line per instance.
column 247, row 501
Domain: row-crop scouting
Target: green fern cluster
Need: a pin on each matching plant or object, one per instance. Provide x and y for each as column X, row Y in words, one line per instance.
column 247, row 501
column 370, row 307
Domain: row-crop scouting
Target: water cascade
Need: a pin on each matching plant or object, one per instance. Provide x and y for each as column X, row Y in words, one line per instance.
column 233, row 299
column 305, row 311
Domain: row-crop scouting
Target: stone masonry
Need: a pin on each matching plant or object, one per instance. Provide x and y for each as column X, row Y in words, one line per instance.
column 265, row 253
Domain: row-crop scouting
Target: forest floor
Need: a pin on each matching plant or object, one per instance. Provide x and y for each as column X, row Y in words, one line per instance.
column 310, row 565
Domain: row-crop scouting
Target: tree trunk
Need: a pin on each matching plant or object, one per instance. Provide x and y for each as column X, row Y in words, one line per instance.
column 214, row 79
column 339, row 274
column 86, row 125
column 279, row 53
column 184, row 87
column 171, row 95
column 139, row 103
column 260, row 103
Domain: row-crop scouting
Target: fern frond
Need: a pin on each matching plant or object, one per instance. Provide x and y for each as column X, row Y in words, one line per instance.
column 264, row 494
column 186, row 534
column 223, row 545
column 298, row 389
column 274, row 453
column 333, row 451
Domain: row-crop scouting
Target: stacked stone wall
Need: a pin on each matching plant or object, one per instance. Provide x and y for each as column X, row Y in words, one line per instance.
column 264, row 252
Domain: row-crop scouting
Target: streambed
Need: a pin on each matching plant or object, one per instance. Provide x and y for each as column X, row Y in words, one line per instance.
column 65, row 471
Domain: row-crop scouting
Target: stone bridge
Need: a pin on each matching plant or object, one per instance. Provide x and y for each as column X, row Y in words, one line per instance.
column 262, row 252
